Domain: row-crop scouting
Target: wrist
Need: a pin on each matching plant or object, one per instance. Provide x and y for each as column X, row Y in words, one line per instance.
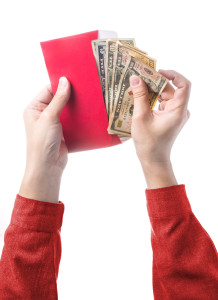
column 41, row 186
column 147, row 165
column 158, row 174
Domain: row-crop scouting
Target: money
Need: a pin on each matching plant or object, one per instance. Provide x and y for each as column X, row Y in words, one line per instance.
column 99, row 49
column 137, row 53
column 123, row 52
column 121, row 117
column 120, row 60
column 109, row 63
column 103, row 53
column 117, row 60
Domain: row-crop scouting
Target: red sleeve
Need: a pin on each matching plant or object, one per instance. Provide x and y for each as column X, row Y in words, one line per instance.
column 185, row 260
column 32, row 251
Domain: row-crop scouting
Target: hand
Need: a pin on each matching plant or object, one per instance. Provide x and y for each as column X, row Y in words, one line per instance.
column 46, row 150
column 154, row 132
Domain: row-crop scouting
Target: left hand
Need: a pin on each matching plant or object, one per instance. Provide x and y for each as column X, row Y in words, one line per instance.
column 46, row 150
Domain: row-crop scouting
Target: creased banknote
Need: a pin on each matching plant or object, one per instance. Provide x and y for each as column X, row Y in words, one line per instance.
column 137, row 53
column 122, row 52
column 119, row 64
column 99, row 49
column 121, row 117
column 109, row 62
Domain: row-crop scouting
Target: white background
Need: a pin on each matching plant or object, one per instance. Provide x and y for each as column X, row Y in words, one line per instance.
column 106, row 230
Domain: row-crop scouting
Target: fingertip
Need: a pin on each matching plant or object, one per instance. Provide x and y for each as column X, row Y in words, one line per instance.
column 64, row 87
column 137, row 83
column 63, row 82
column 162, row 71
column 134, row 80
column 169, row 74
column 166, row 73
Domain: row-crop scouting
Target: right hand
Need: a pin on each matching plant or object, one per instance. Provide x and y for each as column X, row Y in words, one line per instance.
column 47, row 152
column 154, row 131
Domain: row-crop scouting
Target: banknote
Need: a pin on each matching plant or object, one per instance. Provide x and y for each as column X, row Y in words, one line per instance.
column 134, row 48
column 121, row 117
column 122, row 52
column 109, row 61
column 137, row 53
column 99, row 50
column 118, row 65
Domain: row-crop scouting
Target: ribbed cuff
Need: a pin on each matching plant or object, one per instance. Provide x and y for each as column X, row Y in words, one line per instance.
column 167, row 201
column 37, row 215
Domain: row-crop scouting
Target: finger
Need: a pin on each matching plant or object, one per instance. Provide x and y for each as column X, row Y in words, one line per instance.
column 167, row 93
column 182, row 83
column 44, row 96
column 39, row 103
column 140, row 95
column 59, row 100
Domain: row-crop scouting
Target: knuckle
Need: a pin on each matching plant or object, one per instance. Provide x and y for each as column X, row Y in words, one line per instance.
column 138, row 118
column 40, row 106
column 188, row 83
column 140, row 93
column 173, row 72
column 49, row 115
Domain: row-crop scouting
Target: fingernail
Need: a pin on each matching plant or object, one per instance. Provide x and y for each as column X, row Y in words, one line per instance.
column 62, row 82
column 134, row 80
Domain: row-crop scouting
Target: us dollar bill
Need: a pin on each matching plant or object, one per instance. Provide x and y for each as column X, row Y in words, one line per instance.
column 123, row 52
column 118, row 65
column 137, row 53
column 134, row 48
column 109, row 62
column 121, row 118
column 93, row 43
column 99, row 50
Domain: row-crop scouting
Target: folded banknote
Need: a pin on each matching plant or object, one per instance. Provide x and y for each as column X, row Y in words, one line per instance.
column 117, row 59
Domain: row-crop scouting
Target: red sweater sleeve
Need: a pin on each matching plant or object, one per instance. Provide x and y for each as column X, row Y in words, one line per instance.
column 32, row 251
column 185, row 260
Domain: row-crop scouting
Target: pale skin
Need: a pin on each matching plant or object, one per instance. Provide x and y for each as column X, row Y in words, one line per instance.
column 153, row 132
column 46, row 150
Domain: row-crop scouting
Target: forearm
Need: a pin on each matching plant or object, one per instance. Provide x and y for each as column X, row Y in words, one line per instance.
column 32, row 251
column 185, row 260
column 158, row 174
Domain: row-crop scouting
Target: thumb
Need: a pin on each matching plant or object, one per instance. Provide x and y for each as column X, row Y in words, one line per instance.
column 140, row 95
column 60, row 99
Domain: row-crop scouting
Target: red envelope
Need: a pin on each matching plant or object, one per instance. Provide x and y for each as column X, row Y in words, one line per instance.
column 84, row 118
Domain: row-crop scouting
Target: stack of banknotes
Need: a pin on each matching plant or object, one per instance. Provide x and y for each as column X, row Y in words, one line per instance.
column 117, row 60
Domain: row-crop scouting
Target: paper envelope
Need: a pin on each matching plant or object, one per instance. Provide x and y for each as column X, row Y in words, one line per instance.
column 84, row 118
